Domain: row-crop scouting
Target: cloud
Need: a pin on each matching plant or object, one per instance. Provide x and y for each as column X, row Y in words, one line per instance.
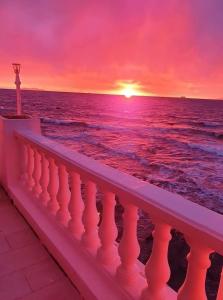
column 167, row 46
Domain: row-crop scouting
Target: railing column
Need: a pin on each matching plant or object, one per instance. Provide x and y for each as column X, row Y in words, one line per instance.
column 194, row 284
column 90, row 218
column 24, row 163
column 37, row 173
column 129, row 249
column 30, row 167
column 53, row 186
column 76, row 206
column 220, row 288
column 157, row 269
column 63, row 195
column 44, row 180
column 107, row 253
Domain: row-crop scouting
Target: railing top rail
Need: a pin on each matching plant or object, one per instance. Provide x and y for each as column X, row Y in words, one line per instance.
column 190, row 218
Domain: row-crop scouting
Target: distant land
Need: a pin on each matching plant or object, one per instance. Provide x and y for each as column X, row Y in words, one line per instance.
column 109, row 94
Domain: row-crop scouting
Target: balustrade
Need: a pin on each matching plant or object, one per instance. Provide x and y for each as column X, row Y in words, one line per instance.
column 157, row 268
column 56, row 180
column 63, row 195
column 128, row 248
column 194, row 284
column 30, row 168
column 107, row 253
column 24, row 164
column 220, row 288
column 75, row 206
column 36, row 173
column 44, row 180
column 90, row 218
column 52, row 186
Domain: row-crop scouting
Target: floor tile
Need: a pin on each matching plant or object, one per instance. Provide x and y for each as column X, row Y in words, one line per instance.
column 62, row 290
column 27, row 271
column 24, row 257
column 4, row 246
column 11, row 221
column 4, row 200
column 43, row 274
column 21, row 238
column 13, row 286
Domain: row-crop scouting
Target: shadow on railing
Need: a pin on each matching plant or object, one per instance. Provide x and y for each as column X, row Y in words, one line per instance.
column 63, row 184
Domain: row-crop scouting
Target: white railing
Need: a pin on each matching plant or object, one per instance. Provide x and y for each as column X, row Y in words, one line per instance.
column 64, row 184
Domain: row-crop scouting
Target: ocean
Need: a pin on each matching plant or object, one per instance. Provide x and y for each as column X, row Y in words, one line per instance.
column 174, row 143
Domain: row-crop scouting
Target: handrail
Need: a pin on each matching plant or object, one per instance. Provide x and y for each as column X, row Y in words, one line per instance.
column 175, row 210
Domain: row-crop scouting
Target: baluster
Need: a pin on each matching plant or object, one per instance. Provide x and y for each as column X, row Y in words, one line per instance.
column 194, row 285
column 37, row 173
column 30, row 163
column 90, row 218
column 63, row 195
column 52, row 186
column 44, row 180
column 107, row 253
column 157, row 269
column 128, row 272
column 76, row 206
column 24, row 163
column 220, row 288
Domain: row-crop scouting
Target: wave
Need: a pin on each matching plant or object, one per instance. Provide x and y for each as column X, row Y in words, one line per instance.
column 178, row 143
column 86, row 138
column 88, row 125
column 112, row 128
column 63, row 122
column 214, row 149
column 142, row 133
column 188, row 130
column 207, row 124
column 214, row 134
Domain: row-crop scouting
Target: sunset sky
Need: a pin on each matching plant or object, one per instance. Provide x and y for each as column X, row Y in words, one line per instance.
column 160, row 47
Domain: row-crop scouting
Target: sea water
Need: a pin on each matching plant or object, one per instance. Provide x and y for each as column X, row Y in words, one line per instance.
column 176, row 144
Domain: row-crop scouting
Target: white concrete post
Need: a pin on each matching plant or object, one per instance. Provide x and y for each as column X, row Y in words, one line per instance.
column 157, row 269
column 76, row 206
column 108, row 232
column 198, row 262
column 63, row 195
column 52, row 188
column 128, row 249
column 37, row 173
column 44, row 180
column 220, row 288
column 90, row 218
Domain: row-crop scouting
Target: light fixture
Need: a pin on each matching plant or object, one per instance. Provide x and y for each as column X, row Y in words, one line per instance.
column 16, row 68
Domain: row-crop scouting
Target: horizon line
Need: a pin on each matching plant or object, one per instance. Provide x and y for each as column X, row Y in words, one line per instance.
column 183, row 97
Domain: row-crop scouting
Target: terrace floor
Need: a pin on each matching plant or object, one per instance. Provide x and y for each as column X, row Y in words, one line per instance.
column 27, row 271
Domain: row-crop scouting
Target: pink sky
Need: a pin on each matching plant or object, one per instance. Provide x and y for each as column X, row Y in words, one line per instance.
column 165, row 47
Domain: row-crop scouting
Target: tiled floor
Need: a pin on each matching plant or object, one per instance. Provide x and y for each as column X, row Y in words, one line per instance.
column 27, row 271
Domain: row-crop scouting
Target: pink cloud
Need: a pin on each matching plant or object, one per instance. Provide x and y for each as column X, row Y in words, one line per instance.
column 169, row 47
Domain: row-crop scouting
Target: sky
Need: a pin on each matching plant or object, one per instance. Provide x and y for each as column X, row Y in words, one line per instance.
column 158, row 47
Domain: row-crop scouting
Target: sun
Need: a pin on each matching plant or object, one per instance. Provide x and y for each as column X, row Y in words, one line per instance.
column 129, row 88
column 129, row 91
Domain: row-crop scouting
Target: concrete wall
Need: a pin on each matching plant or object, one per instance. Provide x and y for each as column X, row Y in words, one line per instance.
column 9, row 156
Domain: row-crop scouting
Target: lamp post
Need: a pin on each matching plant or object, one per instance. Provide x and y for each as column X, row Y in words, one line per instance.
column 16, row 68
